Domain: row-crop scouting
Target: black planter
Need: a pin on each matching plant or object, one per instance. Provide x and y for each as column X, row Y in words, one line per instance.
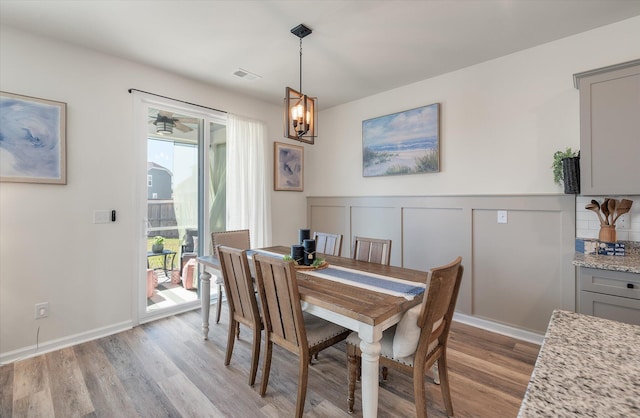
column 571, row 175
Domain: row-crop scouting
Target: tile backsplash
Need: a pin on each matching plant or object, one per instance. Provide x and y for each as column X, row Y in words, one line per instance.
column 588, row 225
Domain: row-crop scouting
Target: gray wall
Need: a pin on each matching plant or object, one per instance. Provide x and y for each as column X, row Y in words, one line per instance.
column 516, row 273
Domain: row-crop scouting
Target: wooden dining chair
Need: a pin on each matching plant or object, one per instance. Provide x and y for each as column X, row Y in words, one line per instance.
column 286, row 325
column 422, row 334
column 328, row 243
column 373, row 250
column 241, row 298
column 239, row 239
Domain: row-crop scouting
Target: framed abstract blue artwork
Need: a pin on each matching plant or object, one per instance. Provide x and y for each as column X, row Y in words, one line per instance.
column 32, row 140
column 288, row 167
column 402, row 143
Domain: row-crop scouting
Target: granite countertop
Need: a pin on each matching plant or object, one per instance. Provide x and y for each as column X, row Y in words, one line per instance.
column 587, row 367
column 628, row 263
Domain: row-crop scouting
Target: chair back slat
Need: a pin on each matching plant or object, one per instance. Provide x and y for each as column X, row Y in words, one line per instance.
column 328, row 243
column 238, row 284
column 235, row 239
column 280, row 299
column 438, row 307
column 373, row 250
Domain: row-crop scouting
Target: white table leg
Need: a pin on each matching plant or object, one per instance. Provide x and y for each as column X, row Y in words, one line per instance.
column 370, row 364
column 205, row 299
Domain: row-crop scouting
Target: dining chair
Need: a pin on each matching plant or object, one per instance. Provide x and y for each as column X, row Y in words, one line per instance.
column 235, row 239
column 373, row 250
column 328, row 243
column 285, row 323
column 241, row 298
column 419, row 340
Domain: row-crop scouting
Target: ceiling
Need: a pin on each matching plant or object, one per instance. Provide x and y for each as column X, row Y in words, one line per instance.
column 358, row 48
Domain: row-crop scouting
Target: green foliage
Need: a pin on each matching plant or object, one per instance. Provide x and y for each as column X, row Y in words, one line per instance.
column 370, row 157
column 399, row 169
column 558, row 156
column 427, row 163
column 158, row 240
column 287, row 258
column 317, row 262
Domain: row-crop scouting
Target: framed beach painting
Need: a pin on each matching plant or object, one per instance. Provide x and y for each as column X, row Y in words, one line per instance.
column 288, row 167
column 402, row 143
column 32, row 139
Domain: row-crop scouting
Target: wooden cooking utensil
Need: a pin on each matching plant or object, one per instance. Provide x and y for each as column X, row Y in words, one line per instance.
column 612, row 209
column 595, row 207
column 623, row 207
column 605, row 211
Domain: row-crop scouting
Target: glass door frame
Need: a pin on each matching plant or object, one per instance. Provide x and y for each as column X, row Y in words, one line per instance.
column 142, row 103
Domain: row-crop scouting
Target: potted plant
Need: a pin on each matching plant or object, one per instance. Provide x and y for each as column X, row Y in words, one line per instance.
column 566, row 170
column 158, row 244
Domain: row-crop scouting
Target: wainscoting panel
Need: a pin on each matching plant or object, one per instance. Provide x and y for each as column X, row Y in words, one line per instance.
column 378, row 222
column 434, row 237
column 332, row 220
column 517, row 267
column 515, row 273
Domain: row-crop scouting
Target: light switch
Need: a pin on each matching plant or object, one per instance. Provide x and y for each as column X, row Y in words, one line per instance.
column 502, row 216
column 101, row 216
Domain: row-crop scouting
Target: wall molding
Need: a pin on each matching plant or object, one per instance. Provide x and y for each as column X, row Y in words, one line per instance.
column 515, row 274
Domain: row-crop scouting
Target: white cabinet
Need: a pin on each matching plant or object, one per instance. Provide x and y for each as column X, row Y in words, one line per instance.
column 610, row 130
column 610, row 294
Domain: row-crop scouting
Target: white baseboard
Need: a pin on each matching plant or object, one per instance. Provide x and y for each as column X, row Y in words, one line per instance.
column 498, row 328
column 48, row 346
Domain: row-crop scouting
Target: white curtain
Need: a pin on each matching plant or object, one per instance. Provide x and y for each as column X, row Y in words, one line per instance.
column 248, row 194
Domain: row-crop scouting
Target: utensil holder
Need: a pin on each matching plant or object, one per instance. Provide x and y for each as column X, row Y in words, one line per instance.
column 607, row 233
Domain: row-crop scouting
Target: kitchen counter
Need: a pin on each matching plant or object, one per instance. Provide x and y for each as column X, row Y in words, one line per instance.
column 587, row 367
column 628, row 263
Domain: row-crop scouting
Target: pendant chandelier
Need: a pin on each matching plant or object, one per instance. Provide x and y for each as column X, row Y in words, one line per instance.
column 300, row 110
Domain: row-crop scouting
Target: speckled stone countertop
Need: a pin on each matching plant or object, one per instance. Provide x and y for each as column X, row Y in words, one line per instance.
column 627, row 263
column 587, row 367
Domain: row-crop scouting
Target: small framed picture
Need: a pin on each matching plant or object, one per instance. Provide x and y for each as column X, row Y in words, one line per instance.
column 33, row 133
column 288, row 167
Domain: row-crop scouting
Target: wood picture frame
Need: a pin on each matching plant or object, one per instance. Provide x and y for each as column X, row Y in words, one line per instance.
column 401, row 143
column 33, row 146
column 288, row 167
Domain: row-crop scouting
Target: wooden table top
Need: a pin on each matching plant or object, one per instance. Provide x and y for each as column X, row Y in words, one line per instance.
column 366, row 306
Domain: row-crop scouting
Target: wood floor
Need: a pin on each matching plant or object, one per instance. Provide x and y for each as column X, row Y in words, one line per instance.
column 165, row 369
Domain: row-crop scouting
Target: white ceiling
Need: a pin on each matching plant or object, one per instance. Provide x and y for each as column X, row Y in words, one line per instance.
column 358, row 48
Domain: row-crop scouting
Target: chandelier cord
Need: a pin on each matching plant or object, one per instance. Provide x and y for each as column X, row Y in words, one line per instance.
column 300, row 65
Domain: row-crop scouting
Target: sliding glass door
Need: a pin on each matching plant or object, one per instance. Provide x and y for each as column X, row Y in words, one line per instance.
column 182, row 197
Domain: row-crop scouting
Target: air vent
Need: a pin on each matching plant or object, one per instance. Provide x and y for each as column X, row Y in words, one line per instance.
column 246, row 75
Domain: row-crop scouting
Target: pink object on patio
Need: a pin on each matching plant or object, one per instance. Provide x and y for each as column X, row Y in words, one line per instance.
column 187, row 274
column 152, row 282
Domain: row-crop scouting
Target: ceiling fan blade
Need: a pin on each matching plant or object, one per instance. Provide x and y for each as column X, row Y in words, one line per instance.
column 188, row 120
column 182, row 127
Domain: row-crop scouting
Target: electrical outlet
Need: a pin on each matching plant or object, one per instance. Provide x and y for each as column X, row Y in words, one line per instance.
column 624, row 221
column 502, row 216
column 42, row 310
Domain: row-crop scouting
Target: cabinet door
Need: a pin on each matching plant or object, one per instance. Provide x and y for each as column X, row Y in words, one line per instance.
column 610, row 307
column 610, row 132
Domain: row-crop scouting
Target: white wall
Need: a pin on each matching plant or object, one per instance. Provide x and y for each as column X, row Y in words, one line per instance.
column 501, row 121
column 49, row 248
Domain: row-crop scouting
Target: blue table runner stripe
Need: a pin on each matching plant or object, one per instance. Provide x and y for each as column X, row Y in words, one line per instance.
column 372, row 281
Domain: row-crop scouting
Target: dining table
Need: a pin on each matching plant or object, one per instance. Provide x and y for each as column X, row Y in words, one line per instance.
column 366, row 311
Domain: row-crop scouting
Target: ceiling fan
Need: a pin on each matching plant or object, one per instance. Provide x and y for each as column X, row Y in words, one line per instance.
column 165, row 122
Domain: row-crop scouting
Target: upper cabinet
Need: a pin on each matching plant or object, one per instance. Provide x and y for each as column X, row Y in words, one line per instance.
column 610, row 129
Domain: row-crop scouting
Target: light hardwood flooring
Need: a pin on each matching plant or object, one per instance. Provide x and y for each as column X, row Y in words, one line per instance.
column 166, row 369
